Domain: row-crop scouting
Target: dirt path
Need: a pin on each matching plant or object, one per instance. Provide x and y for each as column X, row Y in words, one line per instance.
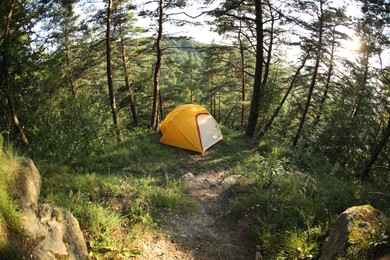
column 206, row 234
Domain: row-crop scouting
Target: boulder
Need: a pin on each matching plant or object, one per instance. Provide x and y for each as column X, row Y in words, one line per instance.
column 29, row 183
column 56, row 231
column 353, row 226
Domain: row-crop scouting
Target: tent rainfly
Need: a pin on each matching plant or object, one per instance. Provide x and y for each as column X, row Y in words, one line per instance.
column 190, row 127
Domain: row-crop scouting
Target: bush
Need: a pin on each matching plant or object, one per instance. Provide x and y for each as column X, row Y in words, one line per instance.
column 69, row 131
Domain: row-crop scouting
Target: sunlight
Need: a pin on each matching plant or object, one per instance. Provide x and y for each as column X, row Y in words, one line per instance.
column 353, row 44
column 350, row 48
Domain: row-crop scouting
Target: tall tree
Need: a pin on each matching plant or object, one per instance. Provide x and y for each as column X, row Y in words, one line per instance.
column 257, row 85
column 162, row 17
column 255, row 21
column 243, row 75
column 63, row 30
column 318, row 52
column 7, row 73
column 109, row 74
column 121, row 23
column 279, row 107
column 377, row 150
column 156, row 75
column 334, row 20
column 373, row 29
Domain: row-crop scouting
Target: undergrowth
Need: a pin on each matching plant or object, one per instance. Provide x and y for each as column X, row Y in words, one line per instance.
column 290, row 201
column 293, row 200
column 118, row 195
column 13, row 241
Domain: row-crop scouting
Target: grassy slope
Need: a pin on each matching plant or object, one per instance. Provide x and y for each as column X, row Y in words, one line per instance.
column 13, row 242
column 290, row 204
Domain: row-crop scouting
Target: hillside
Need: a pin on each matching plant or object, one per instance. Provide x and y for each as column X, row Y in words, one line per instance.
column 145, row 199
column 301, row 93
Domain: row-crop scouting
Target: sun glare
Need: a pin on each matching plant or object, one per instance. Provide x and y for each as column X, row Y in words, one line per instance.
column 349, row 49
column 353, row 44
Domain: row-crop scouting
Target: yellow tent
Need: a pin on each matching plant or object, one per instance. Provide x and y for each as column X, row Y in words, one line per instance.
column 190, row 127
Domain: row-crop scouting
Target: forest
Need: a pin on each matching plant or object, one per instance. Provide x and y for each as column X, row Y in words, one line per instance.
column 298, row 86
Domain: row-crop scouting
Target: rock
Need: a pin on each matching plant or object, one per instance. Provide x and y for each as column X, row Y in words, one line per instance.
column 188, row 177
column 29, row 182
column 57, row 233
column 353, row 226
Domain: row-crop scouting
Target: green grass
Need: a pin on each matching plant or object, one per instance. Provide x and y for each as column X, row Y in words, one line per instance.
column 294, row 199
column 9, row 164
column 171, row 197
column 289, row 203
column 10, row 217
column 120, row 191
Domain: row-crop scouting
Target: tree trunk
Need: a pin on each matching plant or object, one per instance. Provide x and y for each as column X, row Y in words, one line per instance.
column 228, row 116
column 376, row 152
column 314, row 78
column 219, row 106
column 276, row 112
column 5, row 79
column 156, row 90
column 363, row 85
column 242, row 78
column 109, row 75
column 211, row 104
column 15, row 120
column 129, row 88
column 69, row 64
column 267, row 64
column 327, row 82
column 161, row 106
column 69, row 72
column 191, row 85
column 257, row 85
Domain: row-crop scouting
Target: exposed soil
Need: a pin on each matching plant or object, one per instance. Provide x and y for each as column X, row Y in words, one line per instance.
column 208, row 233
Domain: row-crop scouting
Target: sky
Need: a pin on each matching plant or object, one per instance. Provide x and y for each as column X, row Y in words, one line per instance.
column 200, row 33
column 204, row 34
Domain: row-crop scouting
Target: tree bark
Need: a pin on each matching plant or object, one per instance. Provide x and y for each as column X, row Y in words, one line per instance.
column 211, row 104
column 242, row 78
column 377, row 151
column 156, row 90
column 15, row 120
column 314, row 78
column 257, row 85
column 327, row 82
column 109, row 75
column 129, row 88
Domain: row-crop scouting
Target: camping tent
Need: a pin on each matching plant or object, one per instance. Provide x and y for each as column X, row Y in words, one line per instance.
column 190, row 127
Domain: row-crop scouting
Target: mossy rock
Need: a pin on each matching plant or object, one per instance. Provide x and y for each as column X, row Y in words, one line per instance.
column 356, row 233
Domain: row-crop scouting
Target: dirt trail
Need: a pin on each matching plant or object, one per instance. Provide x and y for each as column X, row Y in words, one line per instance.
column 206, row 234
